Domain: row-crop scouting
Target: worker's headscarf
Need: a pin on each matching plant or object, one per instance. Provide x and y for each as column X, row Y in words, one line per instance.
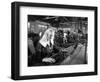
column 48, row 37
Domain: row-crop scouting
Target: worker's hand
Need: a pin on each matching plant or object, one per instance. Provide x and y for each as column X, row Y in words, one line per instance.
column 48, row 60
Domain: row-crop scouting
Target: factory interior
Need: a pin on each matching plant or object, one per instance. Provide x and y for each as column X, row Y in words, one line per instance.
column 57, row 40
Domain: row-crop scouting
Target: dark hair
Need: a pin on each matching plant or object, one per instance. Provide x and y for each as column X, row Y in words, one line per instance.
column 68, row 32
